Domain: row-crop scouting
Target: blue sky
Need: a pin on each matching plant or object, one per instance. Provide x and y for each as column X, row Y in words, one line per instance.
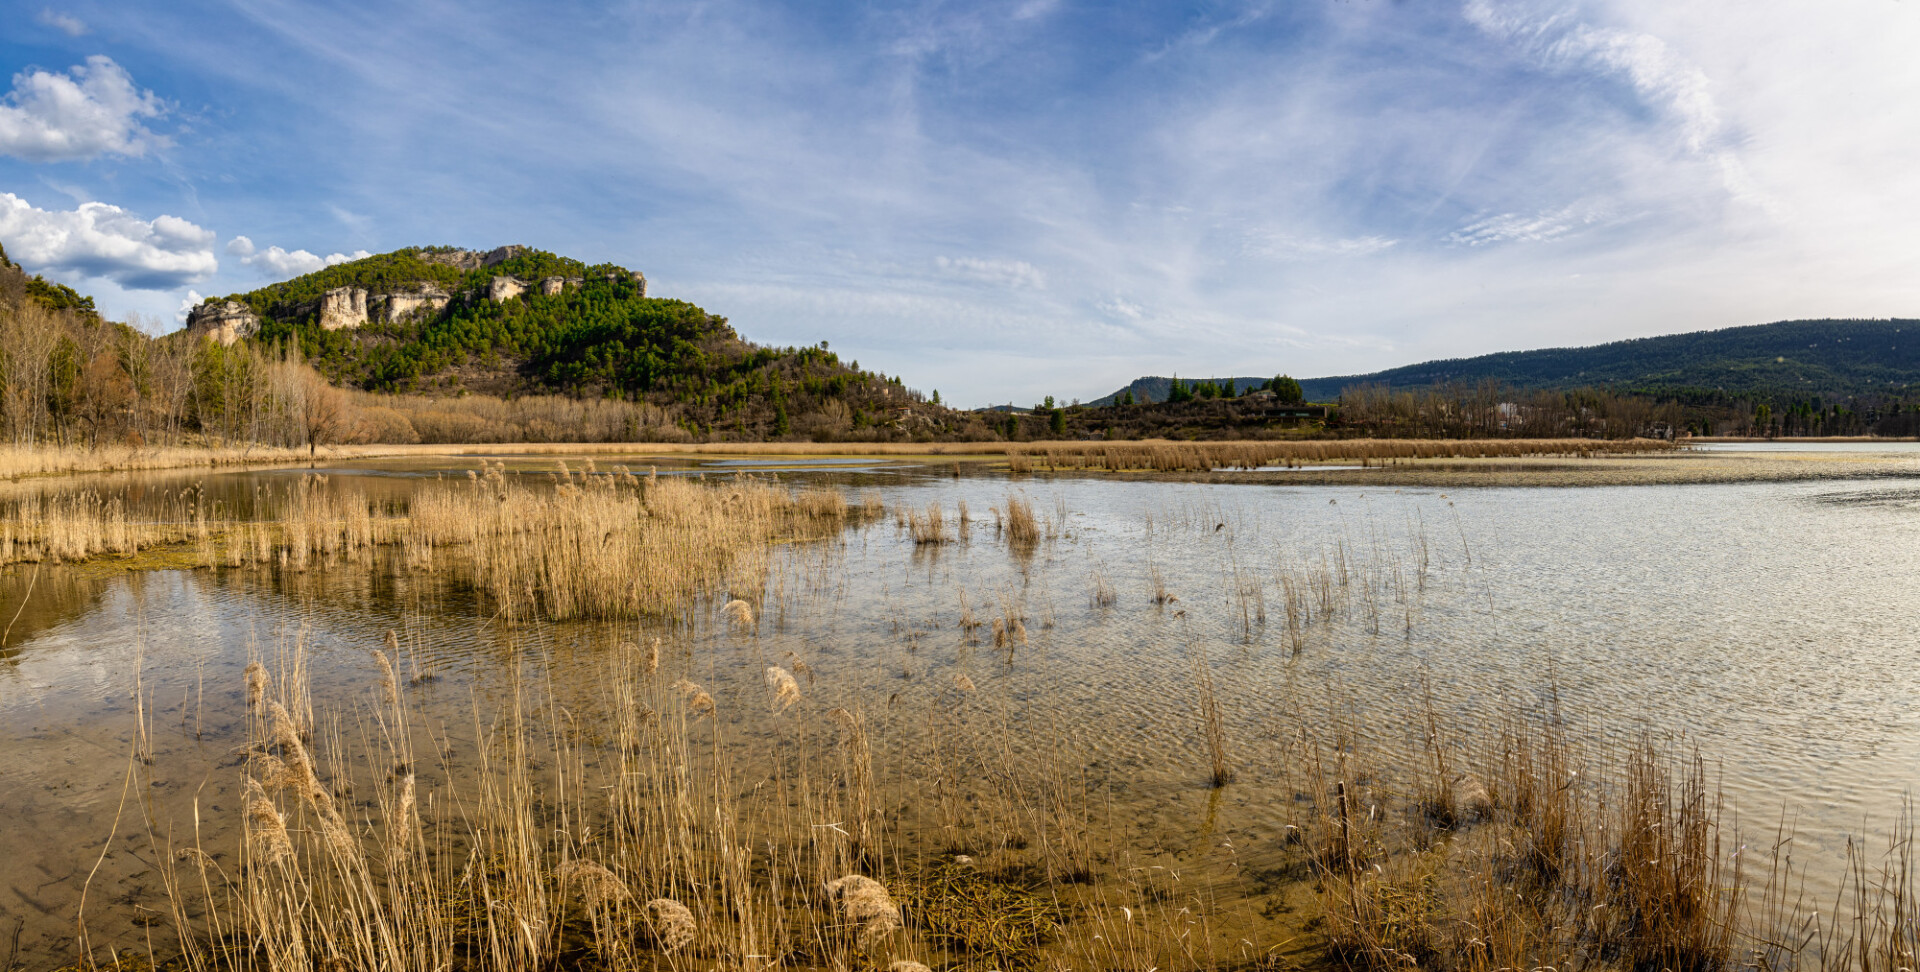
column 1004, row 200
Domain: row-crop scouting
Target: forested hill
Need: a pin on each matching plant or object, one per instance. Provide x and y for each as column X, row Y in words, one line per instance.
column 517, row 321
column 1784, row 361
column 1156, row 388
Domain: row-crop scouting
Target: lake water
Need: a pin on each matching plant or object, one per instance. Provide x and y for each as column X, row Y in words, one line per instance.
column 1773, row 625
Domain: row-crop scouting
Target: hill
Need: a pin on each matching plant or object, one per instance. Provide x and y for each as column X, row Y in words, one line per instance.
column 1154, row 388
column 516, row 321
column 1782, row 362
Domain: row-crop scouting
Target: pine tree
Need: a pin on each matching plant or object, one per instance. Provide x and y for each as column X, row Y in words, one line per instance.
column 1287, row 391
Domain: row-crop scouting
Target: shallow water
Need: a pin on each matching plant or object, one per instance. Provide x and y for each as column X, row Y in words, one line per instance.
column 1770, row 624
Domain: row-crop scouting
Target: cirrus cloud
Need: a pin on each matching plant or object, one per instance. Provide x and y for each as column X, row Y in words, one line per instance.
column 92, row 110
column 104, row 241
column 1000, row 273
column 65, row 23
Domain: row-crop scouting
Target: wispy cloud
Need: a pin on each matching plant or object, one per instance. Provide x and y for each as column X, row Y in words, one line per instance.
column 1327, row 188
column 65, row 23
column 1288, row 246
column 999, row 273
column 1524, row 227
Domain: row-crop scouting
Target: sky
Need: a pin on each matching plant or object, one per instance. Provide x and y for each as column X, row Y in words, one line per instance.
column 1003, row 200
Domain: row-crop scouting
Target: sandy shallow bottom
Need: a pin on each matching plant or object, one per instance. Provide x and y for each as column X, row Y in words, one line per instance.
column 1765, row 620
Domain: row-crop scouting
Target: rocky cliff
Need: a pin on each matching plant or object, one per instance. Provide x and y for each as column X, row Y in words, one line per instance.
column 224, row 321
column 389, row 294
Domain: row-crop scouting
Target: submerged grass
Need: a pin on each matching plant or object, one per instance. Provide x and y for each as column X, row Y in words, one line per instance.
column 625, row 829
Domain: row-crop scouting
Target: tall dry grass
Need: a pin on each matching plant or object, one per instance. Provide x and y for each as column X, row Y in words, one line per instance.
column 53, row 460
column 606, row 832
column 582, row 545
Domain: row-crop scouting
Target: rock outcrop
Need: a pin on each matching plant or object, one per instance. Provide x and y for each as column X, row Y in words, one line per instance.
column 343, row 307
column 501, row 288
column 226, row 322
column 352, row 307
column 473, row 259
column 429, row 299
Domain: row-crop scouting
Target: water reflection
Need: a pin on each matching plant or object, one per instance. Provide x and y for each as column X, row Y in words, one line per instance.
column 1771, row 623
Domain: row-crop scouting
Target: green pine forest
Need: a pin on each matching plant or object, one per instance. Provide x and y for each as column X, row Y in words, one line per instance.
column 599, row 339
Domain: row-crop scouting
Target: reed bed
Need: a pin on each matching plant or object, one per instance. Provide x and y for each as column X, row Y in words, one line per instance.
column 655, row 819
column 1569, row 855
column 624, row 831
column 583, row 545
column 608, row 833
column 1208, row 456
column 51, row 460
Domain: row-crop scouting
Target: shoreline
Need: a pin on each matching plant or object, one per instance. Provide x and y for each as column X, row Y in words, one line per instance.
column 1570, row 469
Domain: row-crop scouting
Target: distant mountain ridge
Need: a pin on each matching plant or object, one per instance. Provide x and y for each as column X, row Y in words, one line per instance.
column 1785, row 360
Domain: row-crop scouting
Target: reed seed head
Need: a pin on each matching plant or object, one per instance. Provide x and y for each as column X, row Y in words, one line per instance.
column 673, row 925
column 861, row 898
column 265, row 827
column 595, row 885
column 256, row 684
column 739, row 612
column 785, row 690
column 387, row 681
column 699, row 703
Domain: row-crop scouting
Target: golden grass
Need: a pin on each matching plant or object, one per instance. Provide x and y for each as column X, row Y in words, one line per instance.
column 659, row 856
column 17, row 462
column 1022, row 529
column 623, row 832
column 583, row 546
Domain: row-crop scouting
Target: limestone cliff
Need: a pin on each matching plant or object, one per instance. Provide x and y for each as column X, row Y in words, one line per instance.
column 223, row 321
column 473, row 259
column 505, row 288
column 343, row 307
column 397, row 306
column 416, row 284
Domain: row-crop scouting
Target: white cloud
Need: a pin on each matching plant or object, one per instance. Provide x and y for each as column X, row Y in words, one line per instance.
column 1122, row 307
column 277, row 262
column 187, row 304
column 1660, row 76
column 65, row 23
column 1000, row 273
column 92, row 110
column 1523, row 227
column 99, row 240
column 1286, row 246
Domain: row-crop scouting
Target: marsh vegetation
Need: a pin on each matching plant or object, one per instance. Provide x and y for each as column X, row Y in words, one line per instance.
column 603, row 720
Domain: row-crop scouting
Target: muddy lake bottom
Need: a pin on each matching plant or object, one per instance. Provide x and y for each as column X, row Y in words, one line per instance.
column 1769, row 624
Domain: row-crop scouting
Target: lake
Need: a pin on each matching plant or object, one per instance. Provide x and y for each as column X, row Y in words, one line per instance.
column 1040, row 705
